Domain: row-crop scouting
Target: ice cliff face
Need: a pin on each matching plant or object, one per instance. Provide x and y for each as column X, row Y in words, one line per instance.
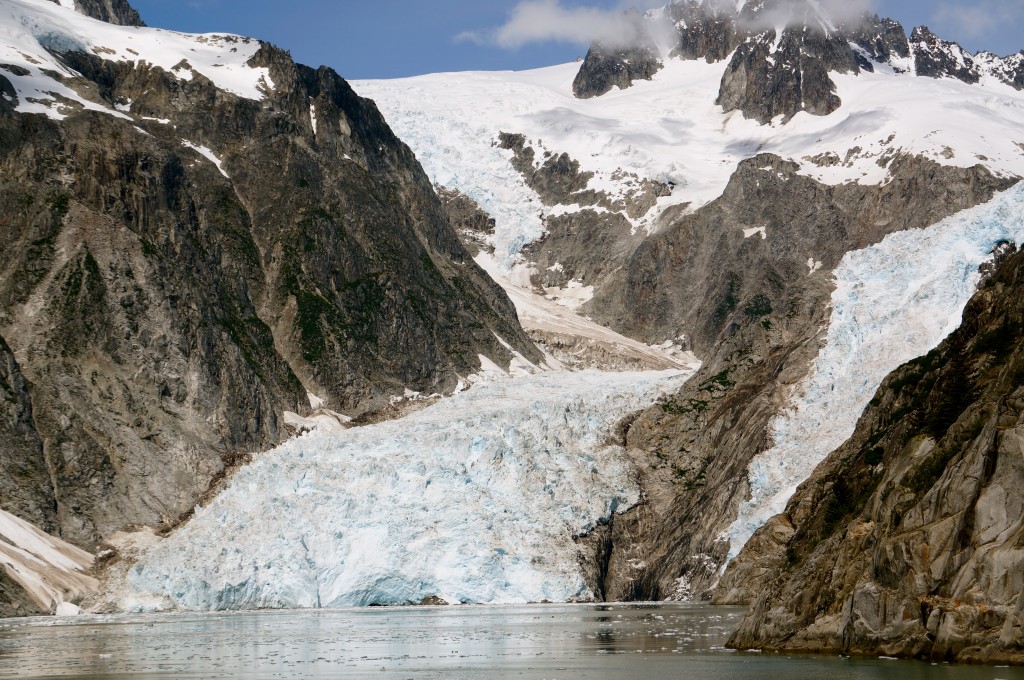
column 476, row 499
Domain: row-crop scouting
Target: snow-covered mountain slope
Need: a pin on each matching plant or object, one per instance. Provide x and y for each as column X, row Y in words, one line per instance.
column 51, row 571
column 30, row 29
column 894, row 146
column 671, row 130
column 475, row 499
column 893, row 302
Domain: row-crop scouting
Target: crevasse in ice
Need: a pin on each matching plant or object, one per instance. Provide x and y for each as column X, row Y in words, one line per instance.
column 894, row 301
column 474, row 499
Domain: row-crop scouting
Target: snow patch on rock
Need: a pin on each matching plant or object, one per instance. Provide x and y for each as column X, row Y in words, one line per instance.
column 32, row 30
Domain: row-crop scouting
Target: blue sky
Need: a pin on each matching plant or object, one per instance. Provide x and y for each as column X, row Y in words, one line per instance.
column 394, row 38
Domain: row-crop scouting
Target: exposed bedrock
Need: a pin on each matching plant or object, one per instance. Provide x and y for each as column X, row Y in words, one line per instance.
column 907, row 539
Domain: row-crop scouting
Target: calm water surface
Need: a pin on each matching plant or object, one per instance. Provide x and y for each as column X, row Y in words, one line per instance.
column 563, row 641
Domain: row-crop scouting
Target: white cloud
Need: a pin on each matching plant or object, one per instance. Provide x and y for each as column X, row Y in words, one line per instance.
column 980, row 17
column 539, row 21
column 801, row 13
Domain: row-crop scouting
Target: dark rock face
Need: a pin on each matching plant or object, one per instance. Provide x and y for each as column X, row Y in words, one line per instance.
column 756, row 317
column 883, row 40
column 14, row 601
column 162, row 315
column 605, row 69
column 705, row 32
column 937, row 58
column 117, row 12
column 906, row 540
column 25, row 488
column 467, row 218
column 764, row 84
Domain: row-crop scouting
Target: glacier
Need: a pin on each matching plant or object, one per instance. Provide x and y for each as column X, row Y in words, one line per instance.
column 474, row 499
column 894, row 301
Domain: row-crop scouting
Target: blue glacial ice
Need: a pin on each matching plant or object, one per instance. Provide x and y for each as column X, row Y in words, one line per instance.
column 474, row 499
column 893, row 302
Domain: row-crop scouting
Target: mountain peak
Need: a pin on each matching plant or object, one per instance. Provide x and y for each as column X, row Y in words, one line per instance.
column 118, row 12
column 781, row 53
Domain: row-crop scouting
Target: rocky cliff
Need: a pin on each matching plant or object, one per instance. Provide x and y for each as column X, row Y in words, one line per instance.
column 186, row 258
column 117, row 12
column 906, row 540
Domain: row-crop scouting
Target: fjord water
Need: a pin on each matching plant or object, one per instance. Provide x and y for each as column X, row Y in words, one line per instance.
column 541, row 641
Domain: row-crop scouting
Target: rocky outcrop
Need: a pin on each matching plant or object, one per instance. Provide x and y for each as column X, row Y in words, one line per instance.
column 117, row 12
column 937, row 58
column 14, row 601
column 605, row 68
column 883, row 41
column 782, row 75
column 468, row 219
column 706, row 30
column 735, row 277
column 906, row 540
column 175, row 279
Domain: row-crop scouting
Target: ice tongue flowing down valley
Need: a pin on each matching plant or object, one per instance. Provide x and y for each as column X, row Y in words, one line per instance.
column 474, row 499
column 894, row 301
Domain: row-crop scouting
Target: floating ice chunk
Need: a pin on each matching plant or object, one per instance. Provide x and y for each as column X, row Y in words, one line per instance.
column 763, row 231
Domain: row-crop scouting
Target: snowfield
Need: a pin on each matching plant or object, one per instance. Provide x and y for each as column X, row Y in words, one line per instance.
column 670, row 129
column 474, row 499
column 894, row 301
column 29, row 29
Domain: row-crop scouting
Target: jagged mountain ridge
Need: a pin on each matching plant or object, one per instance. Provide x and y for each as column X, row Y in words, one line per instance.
column 782, row 52
column 201, row 232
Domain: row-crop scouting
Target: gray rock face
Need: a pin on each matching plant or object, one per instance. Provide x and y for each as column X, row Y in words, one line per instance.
column 883, row 40
column 783, row 75
column 468, row 219
column 606, row 68
column 25, row 488
column 937, row 58
column 14, row 601
column 706, row 31
column 117, row 12
column 163, row 315
column 756, row 318
column 605, row 229
column 906, row 540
